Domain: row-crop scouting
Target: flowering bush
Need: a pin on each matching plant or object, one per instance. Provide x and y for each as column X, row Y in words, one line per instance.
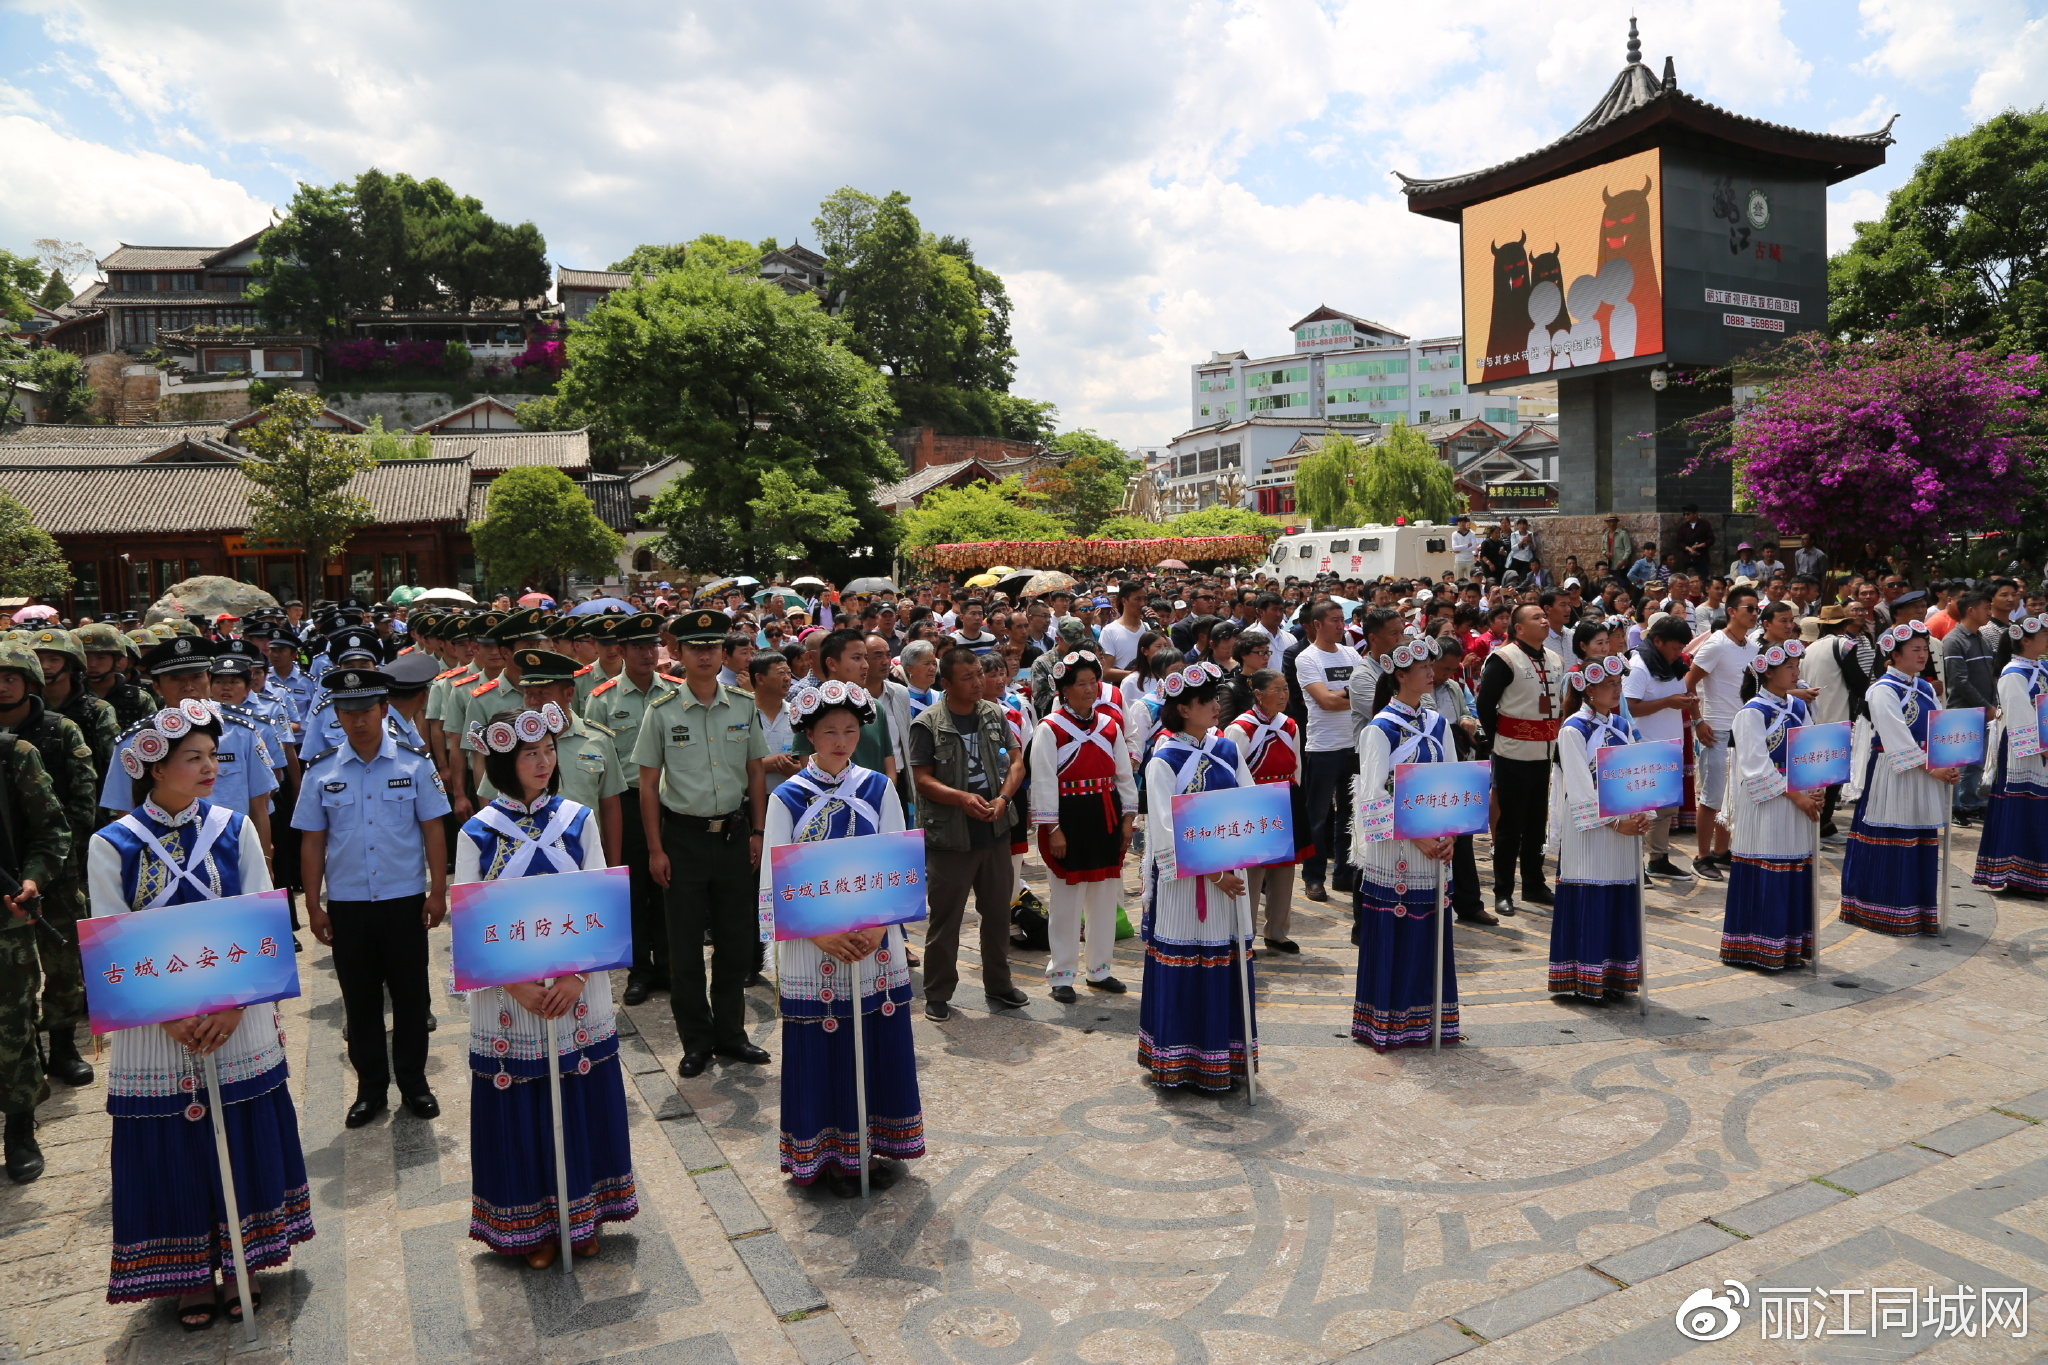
column 1906, row 438
column 544, row 351
column 1135, row 554
column 371, row 358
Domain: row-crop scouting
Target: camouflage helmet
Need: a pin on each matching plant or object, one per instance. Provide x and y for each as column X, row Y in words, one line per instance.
column 102, row 638
column 139, row 639
column 16, row 655
column 54, row 641
column 181, row 626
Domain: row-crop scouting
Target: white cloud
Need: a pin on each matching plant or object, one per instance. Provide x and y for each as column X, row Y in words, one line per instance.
column 1871, row 116
column 54, row 185
column 2017, row 76
column 1846, row 210
column 1156, row 179
column 1927, row 43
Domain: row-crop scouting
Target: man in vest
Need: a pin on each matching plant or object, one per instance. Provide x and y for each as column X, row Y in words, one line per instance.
column 1521, row 702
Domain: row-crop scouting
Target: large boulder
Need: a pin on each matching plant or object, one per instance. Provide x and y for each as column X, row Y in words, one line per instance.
column 208, row 595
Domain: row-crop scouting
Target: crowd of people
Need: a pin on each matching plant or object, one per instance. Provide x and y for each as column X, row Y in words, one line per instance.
column 366, row 759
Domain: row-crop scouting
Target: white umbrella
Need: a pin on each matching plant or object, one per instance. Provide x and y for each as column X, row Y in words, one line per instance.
column 444, row 595
column 808, row 581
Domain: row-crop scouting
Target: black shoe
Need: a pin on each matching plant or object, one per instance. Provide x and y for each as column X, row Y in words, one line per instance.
column 24, row 1157
column 1828, row 830
column 1064, row 995
column 1705, row 870
column 756, row 979
column 1355, row 932
column 1477, row 917
column 1344, row 880
column 433, row 1022
column 1664, row 867
column 636, row 993
column 1504, row 906
column 423, row 1104
column 1538, row 895
column 883, row 1174
column 938, row 1011
column 64, row 1062
column 745, row 1052
column 1315, row 891
column 1282, row 945
column 1010, row 999
column 364, row 1109
column 693, row 1064
column 1110, row 984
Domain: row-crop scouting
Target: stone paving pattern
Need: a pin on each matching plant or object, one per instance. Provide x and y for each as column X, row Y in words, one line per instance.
column 1550, row 1192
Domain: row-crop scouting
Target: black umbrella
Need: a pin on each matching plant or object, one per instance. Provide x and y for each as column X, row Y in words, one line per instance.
column 1012, row 584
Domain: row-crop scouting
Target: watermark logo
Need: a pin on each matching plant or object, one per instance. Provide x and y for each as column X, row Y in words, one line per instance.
column 1707, row 1316
column 1800, row 1313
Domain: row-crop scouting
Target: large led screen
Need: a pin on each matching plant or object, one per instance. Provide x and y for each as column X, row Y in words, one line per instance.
column 1566, row 274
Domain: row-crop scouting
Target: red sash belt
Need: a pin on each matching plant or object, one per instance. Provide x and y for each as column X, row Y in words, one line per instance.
column 1514, row 727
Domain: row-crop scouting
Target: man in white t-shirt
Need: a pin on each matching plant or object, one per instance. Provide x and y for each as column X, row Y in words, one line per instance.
column 1324, row 669
column 1464, row 547
column 1658, row 702
column 1119, row 639
column 1718, row 666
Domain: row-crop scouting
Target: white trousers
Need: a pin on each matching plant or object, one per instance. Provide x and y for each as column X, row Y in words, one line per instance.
column 1071, row 902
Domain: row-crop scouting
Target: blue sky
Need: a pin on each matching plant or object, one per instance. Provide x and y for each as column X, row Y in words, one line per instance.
column 1156, row 179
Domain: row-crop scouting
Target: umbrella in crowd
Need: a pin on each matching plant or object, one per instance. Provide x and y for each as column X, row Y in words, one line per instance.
column 789, row 598
column 746, row 581
column 537, row 599
column 1048, row 580
column 34, row 613
column 808, row 581
column 1013, row 582
column 1171, row 564
column 600, row 604
column 868, row 585
column 714, row 587
column 984, row 580
column 455, row 595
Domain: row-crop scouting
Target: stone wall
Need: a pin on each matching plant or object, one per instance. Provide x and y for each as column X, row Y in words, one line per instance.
column 203, row 403
column 922, row 447
column 123, row 391
column 1558, row 536
column 400, row 411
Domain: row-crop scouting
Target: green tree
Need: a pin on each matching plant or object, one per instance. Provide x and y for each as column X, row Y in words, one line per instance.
column 978, row 511
column 1961, row 248
column 1087, row 486
column 538, row 527
column 1323, row 480
column 58, row 376
column 56, row 293
column 1222, row 521
column 20, row 278
column 796, row 510
column 1127, row 527
column 31, row 564
column 299, row 476
column 395, row 445
column 694, row 538
column 612, row 446
column 389, row 240
column 1404, row 477
column 707, row 249
column 739, row 379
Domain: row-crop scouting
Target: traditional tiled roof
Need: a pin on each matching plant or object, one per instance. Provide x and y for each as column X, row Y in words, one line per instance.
column 135, row 439
column 1635, row 102
column 565, row 278
column 172, row 298
column 487, row 400
column 494, row 451
column 84, row 299
column 612, row 497
column 127, row 257
column 415, row 490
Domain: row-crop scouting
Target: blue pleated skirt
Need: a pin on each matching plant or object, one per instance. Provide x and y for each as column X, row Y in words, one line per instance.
column 1891, row 877
column 170, row 1220
column 1397, row 934
column 820, row 1110
column 1769, row 917
column 1191, row 1024
column 2013, row 855
column 512, row 1150
column 1596, row 945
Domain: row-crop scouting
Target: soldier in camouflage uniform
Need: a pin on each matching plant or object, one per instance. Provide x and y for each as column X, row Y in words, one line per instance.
column 66, row 758
column 64, row 691
column 104, row 648
column 35, row 846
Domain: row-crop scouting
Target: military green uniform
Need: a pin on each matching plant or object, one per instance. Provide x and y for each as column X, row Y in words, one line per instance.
column 619, row 706
column 35, row 845
column 66, row 760
column 701, row 754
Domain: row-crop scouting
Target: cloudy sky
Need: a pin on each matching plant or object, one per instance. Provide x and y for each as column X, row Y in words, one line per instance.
column 1156, row 179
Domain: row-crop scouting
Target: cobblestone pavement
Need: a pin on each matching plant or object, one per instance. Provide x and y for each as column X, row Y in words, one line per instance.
column 1793, row 1151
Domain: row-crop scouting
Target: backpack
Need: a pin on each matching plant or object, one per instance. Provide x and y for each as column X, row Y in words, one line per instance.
column 1030, row 929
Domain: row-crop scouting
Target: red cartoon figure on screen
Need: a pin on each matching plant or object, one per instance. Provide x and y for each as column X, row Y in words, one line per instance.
column 1509, row 334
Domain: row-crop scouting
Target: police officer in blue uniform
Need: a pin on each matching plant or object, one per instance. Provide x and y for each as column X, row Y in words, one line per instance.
column 322, row 730
column 180, row 669
column 376, row 879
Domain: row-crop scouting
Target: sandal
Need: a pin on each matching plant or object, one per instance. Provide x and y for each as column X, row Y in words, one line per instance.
column 541, row 1257
column 232, row 1310
column 198, row 1317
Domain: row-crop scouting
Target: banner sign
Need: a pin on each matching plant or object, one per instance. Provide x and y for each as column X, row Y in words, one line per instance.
column 835, row 886
column 1634, row 778
column 1955, row 737
column 1440, row 800
column 1230, row 829
column 1816, row 756
column 152, row 966
column 533, row 927
column 2026, row 740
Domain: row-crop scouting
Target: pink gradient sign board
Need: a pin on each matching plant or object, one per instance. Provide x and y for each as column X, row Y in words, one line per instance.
column 152, row 966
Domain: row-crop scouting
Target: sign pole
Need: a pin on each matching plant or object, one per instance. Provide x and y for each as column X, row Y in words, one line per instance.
column 561, row 1157
column 1815, row 899
column 1443, row 944
column 1244, row 995
column 1941, row 905
column 1642, row 932
column 227, row 1189
column 860, row 1076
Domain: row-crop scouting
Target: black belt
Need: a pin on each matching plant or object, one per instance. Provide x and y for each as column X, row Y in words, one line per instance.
column 706, row 824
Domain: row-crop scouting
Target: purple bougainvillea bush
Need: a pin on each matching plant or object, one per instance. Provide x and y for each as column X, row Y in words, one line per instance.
column 1905, row 438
